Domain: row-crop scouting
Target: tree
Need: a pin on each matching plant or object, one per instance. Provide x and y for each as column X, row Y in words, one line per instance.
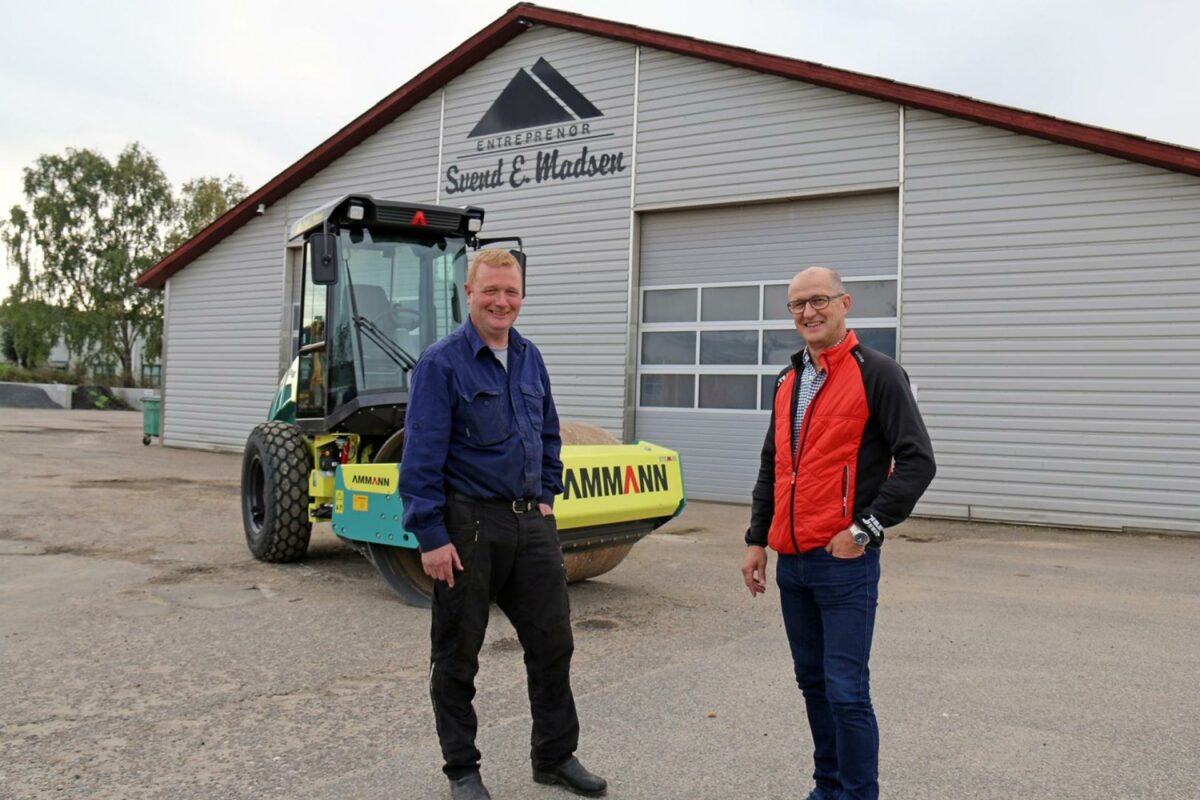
column 90, row 227
column 29, row 329
column 29, row 325
column 201, row 201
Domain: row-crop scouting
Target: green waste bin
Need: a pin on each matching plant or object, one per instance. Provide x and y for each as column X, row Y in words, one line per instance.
column 151, row 418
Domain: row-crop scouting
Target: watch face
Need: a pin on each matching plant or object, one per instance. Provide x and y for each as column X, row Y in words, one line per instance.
column 861, row 538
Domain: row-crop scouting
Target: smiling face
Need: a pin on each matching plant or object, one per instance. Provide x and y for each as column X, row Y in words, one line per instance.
column 494, row 298
column 822, row 328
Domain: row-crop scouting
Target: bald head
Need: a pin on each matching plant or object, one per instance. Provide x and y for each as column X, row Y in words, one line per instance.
column 816, row 276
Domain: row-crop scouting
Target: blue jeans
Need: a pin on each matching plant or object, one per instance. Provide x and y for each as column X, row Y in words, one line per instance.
column 829, row 613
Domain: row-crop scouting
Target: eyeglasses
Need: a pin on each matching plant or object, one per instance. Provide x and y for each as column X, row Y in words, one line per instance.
column 817, row 301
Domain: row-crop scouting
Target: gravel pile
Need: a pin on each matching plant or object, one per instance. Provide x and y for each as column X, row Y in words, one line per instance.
column 16, row 395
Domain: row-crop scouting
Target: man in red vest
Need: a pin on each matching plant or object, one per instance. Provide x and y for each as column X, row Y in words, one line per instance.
column 846, row 456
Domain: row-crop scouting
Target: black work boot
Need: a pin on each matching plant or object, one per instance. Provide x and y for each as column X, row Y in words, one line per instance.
column 469, row 787
column 574, row 776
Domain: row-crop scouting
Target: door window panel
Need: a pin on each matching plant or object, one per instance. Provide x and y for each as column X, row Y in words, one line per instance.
column 778, row 346
column 768, row 392
column 312, row 378
column 669, row 305
column 729, row 303
column 668, row 391
column 872, row 298
column 775, row 302
column 728, row 391
column 669, row 347
column 729, row 347
column 881, row 339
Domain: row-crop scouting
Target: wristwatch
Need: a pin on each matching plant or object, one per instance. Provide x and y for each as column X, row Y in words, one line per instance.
column 860, row 536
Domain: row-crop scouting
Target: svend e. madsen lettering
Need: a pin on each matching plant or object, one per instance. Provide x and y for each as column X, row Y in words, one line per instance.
column 548, row 166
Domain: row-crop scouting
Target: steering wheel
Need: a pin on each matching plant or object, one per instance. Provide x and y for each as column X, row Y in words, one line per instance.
column 406, row 318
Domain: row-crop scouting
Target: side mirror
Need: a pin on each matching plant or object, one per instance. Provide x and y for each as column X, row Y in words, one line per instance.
column 323, row 259
column 520, row 257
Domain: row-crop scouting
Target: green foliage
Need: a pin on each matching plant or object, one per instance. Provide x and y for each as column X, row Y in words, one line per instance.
column 29, row 326
column 202, row 201
column 11, row 373
column 88, row 228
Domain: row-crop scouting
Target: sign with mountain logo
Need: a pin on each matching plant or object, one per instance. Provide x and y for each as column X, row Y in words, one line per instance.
column 538, row 110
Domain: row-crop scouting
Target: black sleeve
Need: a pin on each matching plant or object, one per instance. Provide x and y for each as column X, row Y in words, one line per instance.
column 762, row 507
column 894, row 410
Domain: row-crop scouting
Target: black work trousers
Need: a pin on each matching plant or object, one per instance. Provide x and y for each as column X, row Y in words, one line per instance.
column 514, row 559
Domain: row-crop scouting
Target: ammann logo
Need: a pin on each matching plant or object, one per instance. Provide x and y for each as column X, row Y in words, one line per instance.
column 539, row 110
column 608, row 481
column 371, row 480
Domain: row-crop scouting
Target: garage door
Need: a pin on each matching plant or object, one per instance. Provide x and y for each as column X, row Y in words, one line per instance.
column 714, row 329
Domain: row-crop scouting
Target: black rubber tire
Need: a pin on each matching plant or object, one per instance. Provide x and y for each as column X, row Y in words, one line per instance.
column 401, row 569
column 146, row 441
column 275, row 470
column 400, row 566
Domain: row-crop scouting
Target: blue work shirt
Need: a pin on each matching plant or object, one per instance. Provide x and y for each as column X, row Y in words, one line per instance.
column 474, row 428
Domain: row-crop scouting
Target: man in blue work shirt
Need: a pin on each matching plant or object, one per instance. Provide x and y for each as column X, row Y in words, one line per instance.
column 478, row 478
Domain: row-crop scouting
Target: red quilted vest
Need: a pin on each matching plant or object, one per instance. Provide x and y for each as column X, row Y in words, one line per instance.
column 814, row 498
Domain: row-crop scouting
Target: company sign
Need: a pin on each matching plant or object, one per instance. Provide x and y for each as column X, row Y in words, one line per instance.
column 539, row 129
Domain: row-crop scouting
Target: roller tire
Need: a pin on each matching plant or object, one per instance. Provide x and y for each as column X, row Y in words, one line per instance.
column 275, row 468
column 401, row 569
column 594, row 561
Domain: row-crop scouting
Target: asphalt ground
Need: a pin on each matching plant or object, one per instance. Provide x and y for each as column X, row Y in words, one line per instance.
column 145, row 654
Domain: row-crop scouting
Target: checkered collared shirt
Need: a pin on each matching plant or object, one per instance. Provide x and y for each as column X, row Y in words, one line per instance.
column 810, row 384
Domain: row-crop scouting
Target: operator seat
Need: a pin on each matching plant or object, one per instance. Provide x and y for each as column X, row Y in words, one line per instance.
column 373, row 303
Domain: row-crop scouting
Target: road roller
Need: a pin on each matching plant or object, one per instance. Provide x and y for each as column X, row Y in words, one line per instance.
column 381, row 281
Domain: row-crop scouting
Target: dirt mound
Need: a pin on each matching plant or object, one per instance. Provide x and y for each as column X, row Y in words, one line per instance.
column 574, row 432
column 16, row 395
column 99, row 398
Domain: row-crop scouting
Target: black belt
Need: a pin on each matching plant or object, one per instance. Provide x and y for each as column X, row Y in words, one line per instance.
column 522, row 505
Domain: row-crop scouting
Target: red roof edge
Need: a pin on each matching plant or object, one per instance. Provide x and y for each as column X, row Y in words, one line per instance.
column 479, row 46
column 1123, row 145
column 430, row 80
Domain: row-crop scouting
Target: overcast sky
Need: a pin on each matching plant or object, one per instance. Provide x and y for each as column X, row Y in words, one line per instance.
column 248, row 87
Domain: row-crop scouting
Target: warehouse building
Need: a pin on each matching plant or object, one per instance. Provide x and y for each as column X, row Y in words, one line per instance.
column 1038, row 279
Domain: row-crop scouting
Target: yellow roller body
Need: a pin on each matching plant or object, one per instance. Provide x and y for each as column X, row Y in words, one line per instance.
column 604, row 484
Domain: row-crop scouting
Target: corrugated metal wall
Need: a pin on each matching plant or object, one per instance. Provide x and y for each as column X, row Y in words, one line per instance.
column 399, row 162
column 576, row 231
column 713, row 133
column 1050, row 304
column 222, row 337
column 771, row 242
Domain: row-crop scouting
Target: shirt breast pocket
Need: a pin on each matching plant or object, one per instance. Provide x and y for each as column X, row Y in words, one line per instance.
column 534, row 395
column 485, row 419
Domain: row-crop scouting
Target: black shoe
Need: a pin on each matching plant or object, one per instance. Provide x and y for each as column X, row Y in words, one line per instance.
column 817, row 794
column 574, row 776
column 469, row 787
